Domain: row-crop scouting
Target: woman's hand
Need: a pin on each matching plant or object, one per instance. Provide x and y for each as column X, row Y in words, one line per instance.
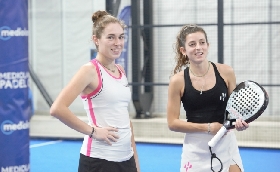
column 106, row 134
column 241, row 125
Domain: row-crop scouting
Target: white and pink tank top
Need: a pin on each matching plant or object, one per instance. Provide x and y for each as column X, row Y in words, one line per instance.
column 108, row 106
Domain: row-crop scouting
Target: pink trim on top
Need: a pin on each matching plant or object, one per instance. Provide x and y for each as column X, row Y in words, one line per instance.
column 89, row 146
column 88, row 97
column 91, row 112
column 109, row 72
column 94, row 122
column 122, row 72
column 94, row 92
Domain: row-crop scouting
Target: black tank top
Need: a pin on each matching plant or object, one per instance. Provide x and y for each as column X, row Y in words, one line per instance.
column 206, row 107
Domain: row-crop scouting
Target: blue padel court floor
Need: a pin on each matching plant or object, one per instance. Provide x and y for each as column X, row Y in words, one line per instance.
column 63, row 156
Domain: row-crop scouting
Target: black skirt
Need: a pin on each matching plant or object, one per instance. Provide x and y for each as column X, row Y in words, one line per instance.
column 89, row 164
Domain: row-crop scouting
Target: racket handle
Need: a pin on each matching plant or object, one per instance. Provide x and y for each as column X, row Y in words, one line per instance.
column 217, row 137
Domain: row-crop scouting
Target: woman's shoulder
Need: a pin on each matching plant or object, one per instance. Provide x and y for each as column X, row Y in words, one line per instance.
column 227, row 73
column 177, row 78
column 224, row 68
column 89, row 65
column 88, row 69
column 88, row 74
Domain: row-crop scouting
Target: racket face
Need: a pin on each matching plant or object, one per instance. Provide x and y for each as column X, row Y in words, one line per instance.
column 247, row 101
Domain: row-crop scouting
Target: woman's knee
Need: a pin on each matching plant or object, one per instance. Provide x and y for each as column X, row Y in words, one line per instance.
column 234, row 168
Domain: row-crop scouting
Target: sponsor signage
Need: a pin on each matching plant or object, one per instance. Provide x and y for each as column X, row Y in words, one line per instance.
column 14, row 75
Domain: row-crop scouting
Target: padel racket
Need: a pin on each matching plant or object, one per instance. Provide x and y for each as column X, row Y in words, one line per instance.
column 247, row 102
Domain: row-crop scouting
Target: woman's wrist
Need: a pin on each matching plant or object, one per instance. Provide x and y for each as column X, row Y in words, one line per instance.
column 209, row 128
column 92, row 132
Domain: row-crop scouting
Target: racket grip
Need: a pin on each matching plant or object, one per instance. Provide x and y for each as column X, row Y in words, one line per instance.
column 217, row 137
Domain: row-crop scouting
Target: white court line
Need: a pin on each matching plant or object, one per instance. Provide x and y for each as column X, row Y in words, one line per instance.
column 45, row 144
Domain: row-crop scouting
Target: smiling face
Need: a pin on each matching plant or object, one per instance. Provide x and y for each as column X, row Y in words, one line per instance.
column 196, row 47
column 111, row 43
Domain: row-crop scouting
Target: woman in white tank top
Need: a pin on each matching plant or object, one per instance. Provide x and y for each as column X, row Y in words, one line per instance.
column 109, row 141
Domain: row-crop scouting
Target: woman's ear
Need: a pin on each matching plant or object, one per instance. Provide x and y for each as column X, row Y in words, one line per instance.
column 94, row 39
column 183, row 50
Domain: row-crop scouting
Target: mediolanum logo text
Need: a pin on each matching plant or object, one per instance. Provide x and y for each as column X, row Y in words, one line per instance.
column 7, row 33
column 8, row 127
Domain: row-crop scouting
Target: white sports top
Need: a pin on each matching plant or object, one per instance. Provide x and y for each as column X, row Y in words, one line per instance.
column 107, row 106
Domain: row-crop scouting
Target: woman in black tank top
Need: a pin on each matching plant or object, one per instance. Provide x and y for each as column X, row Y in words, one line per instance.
column 203, row 87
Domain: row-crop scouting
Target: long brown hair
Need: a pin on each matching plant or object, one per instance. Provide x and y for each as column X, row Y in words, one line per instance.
column 183, row 60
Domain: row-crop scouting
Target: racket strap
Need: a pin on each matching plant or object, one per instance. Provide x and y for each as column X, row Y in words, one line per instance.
column 213, row 155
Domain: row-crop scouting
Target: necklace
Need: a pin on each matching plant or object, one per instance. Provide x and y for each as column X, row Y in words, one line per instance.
column 202, row 87
column 203, row 74
column 113, row 70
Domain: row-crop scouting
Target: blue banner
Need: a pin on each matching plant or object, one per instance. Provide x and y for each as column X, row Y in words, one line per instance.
column 123, row 59
column 14, row 106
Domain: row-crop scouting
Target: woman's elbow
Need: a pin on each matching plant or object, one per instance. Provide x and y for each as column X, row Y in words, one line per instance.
column 172, row 126
column 53, row 111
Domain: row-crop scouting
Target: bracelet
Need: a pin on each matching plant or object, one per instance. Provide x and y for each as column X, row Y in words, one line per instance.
column 209, row 128
column 91, row 134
